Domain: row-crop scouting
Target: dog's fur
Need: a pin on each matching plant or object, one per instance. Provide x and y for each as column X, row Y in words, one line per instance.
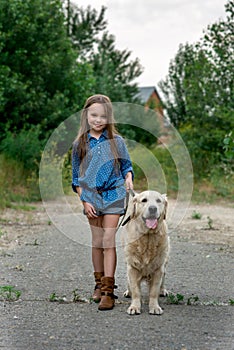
column 146, row 247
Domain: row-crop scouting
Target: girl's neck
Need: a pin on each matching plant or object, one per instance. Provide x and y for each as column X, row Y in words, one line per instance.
column 95, row 134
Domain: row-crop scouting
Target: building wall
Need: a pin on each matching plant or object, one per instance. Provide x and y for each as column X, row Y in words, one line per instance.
column 154, row 102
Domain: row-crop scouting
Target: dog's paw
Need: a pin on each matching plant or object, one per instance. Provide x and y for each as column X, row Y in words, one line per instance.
column 164, row 292
column 156, row 310
column 133, row 310
column 127, row 294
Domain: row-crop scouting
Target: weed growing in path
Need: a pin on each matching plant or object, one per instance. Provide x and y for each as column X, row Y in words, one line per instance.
column 9, row 293
column 179, row 299
column 175, row 298
column 56, row 298
column 76, row 298
column 210, row 223
column 196, row 215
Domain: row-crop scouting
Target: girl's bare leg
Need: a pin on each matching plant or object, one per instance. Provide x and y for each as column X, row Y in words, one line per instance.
column 97, row 244
column 109, row 224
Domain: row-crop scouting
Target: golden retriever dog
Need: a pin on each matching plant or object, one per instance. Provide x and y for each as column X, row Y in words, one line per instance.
column 146, row 247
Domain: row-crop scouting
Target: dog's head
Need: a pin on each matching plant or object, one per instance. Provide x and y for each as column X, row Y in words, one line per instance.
column 150, row 207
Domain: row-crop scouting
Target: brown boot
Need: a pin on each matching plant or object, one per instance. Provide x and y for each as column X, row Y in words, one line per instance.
column 97, row 289
column 107, row 294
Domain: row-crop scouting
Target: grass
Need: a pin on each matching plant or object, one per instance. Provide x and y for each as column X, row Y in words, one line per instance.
column 175, row 298
column 9, row 293
column 214, row 189
column 2, row 233
column 76, row 298
column 16, row 185
column 22, row 206
column 180, row 299
column 210, row 223
column 56, row 298
column 19, row 187
column 196, row 215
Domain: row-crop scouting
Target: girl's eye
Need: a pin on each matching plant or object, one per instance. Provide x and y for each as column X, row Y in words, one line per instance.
column 144, row 200
column 96, row 116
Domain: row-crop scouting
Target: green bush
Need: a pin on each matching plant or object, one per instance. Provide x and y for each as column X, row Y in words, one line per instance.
column 169, row 168
column 24, row 146
column 12, row 181
column 154, row 169
column 16, row 183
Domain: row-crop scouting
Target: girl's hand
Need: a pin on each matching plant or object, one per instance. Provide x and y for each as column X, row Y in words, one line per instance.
column 79, row 191
column 128, row 181
column 90, row 211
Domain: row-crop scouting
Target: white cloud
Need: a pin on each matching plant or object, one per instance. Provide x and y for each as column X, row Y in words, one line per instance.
column 153, row 29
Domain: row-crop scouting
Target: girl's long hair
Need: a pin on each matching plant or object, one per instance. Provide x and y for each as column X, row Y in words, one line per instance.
column 81, row 139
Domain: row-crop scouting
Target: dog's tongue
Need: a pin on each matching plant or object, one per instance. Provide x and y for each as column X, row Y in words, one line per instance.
column 151, row 223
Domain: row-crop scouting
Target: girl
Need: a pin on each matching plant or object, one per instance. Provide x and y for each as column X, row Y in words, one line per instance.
column 100, row 167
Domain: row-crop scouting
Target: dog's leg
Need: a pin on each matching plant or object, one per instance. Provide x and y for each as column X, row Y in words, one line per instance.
column 127, row 292
column 154, row 290
column 163, row 290
column 134, row 280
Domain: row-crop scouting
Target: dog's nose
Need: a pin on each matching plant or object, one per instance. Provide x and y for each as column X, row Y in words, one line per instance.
column 152, row 209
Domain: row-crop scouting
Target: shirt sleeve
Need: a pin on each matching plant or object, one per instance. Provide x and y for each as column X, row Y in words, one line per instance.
column 75, row 167
column 124, row 158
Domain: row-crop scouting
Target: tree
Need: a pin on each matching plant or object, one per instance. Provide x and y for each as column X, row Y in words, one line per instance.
column 198, row 92
column 113, row 69
column 50, row 64
column 40, row 79
column 218, row 42
column 84, row 27
column 173, row 88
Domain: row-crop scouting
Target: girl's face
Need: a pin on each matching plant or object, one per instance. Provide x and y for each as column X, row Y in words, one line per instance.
column 97, row 118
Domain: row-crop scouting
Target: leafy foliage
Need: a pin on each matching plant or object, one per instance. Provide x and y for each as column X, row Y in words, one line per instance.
column 49, row 64
column 199, row 92
column 114, row 70
column 25, row 146
column 38, row 68
column 84, row 27
column 9, row 293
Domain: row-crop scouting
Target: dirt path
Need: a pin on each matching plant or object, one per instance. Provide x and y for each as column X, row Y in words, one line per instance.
column 203, row 223
column 39, row 260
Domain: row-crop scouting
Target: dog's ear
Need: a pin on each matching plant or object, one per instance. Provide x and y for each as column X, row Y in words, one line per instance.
column 165, row 205
column 133, row 208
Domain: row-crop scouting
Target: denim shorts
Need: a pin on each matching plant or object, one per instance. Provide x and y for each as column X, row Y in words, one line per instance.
column 117, row 208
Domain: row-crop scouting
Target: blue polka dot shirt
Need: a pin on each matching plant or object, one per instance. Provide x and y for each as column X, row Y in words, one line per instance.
column 102, row 182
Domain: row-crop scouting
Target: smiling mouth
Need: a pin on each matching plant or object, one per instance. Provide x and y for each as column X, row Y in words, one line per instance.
column 151, row 222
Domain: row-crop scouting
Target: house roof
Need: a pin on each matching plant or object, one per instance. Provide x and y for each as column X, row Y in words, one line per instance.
column 145, row 93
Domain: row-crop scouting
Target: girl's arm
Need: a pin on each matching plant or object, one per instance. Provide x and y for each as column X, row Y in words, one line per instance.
column 128, row 181
column 75, row 169
column 78, row 190
column 89, row 209
column 125, row 163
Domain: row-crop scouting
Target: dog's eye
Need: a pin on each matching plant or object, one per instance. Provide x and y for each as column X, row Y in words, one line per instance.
column 158, row 200
column 144, row 200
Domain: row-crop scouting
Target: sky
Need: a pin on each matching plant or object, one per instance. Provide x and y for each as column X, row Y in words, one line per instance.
column 153, row 29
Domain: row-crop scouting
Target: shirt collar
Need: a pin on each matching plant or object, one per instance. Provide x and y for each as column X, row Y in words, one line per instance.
column 103, row 135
